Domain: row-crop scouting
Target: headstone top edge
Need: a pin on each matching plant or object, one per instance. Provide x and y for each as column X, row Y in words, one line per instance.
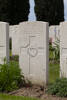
column 14, row 25
column 4, row 22
column 53, row 26
column 65, row 22
column 27, row 22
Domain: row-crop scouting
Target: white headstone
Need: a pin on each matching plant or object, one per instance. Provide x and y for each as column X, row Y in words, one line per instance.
column 54, row 33
column 34, row 50
column 14, row 35
column 63, row 49
column 4, row 42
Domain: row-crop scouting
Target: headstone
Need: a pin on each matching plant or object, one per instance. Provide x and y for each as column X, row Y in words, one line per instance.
column 33, row 57
column 4, row 42
column 14, row 35
column 10, row 31
column 54, row 33
column 63, row 49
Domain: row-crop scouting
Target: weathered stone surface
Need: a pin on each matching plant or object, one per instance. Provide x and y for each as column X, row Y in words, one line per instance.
column 4, row 42
column 33, row 57
column 63, row 49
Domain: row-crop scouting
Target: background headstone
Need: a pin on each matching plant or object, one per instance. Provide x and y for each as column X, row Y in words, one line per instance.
column 63, row 49
column 54, row 33
column 33, row 57
column 4, row 42
column 14, row 35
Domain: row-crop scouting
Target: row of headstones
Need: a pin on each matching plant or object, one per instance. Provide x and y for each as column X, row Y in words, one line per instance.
column 31, row 41
column 54, row 35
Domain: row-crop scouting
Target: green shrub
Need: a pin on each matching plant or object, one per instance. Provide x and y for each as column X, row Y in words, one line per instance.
column 59, row 88
column 10, row 77
column 51, row 52
column 55, row 50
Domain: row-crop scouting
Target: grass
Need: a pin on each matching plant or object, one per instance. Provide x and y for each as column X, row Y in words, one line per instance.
column 54, row 65
column 10, row 53
column 9, row 97
column 51, row 55
column 53, row 72
column 53, row 75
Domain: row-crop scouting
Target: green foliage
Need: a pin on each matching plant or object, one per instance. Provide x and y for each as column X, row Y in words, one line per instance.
column 10, row 77
column 19, row 11
column 50, row 52
column 48, row 10
column 59, row 88
column 5, row 10
column 55, row 51
column 14, row 11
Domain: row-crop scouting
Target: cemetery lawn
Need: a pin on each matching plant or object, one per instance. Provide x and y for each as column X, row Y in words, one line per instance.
column 54, row 71
column 9, row 97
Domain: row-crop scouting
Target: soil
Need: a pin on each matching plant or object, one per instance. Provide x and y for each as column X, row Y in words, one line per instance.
column 35, row 92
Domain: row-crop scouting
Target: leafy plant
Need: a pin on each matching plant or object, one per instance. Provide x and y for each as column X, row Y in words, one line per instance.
column 57, row 49
column 51, row 52
column 10, row 77
column 59, row 88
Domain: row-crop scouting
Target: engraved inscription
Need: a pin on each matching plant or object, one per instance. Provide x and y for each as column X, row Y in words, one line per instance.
column 1, row 51
column 33, row 56
column 31, row 51
column 64, row 51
